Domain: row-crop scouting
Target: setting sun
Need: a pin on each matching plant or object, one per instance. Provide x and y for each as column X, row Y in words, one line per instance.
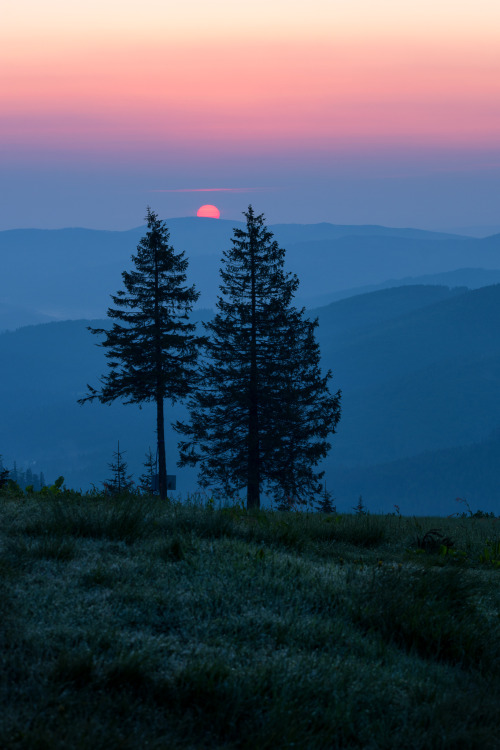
column 208, row 211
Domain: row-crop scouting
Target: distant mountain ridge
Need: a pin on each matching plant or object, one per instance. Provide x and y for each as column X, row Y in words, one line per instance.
column 70, row 273
column 461, row 278
column 436, row 362
column 418, row 387
column 292, row 233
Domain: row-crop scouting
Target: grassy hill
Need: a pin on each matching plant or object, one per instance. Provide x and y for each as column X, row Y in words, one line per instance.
column 132, row 623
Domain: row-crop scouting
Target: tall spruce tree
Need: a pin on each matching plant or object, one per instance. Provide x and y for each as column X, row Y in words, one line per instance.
column 152, row 348
column 262, row 412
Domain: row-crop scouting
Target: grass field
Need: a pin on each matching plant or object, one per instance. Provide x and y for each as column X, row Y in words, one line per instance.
column 128, row 623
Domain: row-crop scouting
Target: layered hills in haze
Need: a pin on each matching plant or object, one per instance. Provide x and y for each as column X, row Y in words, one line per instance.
column 70, row 273
column 420, row 397
column 419, row 367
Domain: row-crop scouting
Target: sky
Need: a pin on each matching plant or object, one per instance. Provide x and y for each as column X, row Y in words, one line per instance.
column 347, row 111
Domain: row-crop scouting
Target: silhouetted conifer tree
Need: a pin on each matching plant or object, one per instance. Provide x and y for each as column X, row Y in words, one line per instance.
column 325, row 502
column 360, row 507
column 120, row 481
column 146, row 479
column 152, row 348
column 262, row 411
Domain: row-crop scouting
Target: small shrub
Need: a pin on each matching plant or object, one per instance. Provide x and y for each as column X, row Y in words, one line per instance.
column 470, row 513
column 54, row 489
column 491, row 553
column 77, row 669
column 433, row 541
column 130, row 672
column 11, row 489
column 174, row 549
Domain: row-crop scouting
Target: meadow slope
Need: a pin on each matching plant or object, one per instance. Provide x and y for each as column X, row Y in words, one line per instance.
column 129, row 623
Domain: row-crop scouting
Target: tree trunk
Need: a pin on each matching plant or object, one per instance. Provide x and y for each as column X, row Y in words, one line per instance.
column 160, row 421
column 160, row 431
column 253, row 479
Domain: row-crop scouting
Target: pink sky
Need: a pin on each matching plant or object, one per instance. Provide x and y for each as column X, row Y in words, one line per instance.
column 108, row 102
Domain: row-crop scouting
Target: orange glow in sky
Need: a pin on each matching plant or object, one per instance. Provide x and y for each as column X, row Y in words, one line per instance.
column 220, row 93
column 79, row 81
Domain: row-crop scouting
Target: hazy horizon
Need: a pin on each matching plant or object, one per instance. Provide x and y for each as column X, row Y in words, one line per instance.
column 354, row 113
column 465, row 231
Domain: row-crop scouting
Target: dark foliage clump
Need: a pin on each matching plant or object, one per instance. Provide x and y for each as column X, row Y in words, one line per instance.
column 433, row 540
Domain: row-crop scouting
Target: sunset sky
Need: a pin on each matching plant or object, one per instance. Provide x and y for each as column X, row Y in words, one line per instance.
column 332, row 110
